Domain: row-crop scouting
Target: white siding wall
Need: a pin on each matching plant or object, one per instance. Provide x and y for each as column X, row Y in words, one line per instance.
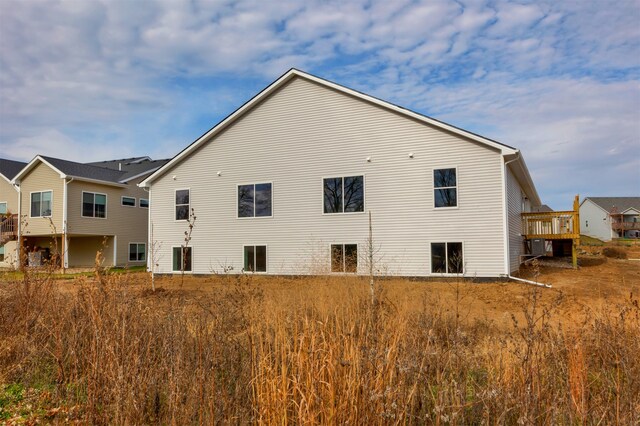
column 514, row 201
column 594, row 221
column 305, row 132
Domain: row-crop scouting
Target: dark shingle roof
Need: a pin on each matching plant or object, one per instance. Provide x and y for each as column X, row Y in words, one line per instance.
column 541, row 209
column 86, row 171
column 10, row 168
column 619, row 203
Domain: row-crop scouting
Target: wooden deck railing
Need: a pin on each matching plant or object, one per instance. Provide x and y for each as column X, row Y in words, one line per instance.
column 8, row 228
column 551, row 225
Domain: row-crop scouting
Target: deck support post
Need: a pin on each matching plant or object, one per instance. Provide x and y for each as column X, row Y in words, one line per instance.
column 574, row 253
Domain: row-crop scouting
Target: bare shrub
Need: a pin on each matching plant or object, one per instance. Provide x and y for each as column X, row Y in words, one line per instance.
column 614, row 252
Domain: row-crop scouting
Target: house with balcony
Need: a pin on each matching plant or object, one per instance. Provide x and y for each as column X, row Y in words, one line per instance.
column 9, row 212
column 69, row 211
column 287, row 184
column 607, row 218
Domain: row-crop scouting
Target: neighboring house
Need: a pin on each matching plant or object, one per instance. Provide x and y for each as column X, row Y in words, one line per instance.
column 71, row 210
column 606, row 218
column 8, row 212
column 285, row 185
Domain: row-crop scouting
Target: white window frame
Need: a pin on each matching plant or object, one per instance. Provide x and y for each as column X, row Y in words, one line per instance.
column 6, row 209
column 457, row 187
column 125, row 205
column 40, row 192
column 147, row 200
column 254, row 200
column 137, row 245
column 364, row 193
column 179, row 271
column 175, row 192
column 266, row 266
column 446, row 258
column 106, row 204
column 344, row 258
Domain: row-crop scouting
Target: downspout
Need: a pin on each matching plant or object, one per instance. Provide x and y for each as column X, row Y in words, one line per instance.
column 505, row 212
column 19, row 251
column 150, row 248
column 65, row 229
column 506, row 227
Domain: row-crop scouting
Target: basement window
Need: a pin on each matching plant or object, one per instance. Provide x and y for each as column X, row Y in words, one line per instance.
column 445, row 188
column 94, row 205
column 129, row 201
column 137, row 252
column 255, row 200
column 255, row 258
column 344, row 258
column 182, row 204
column 446, row 258
column 182, row 258
column 41, row 203
column 343, row 194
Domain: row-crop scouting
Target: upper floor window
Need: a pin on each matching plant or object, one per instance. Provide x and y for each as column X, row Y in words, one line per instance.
column 254, row 200
column 445, row 188
column 144, row 203
column 343, row 194
column 41, row 204
column 94, row 205
column 182, row 204
column 129, row 201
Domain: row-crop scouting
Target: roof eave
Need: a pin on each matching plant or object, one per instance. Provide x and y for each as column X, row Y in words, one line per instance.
column 524, row 177
column 30, row 166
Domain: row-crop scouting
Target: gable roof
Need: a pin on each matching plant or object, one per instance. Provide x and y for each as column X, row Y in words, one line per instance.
column 621, row 204
column 91, row 173
column 294, row 73
column 9, row 168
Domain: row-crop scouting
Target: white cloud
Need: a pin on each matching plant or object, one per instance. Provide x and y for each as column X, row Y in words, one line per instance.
column 558, row 79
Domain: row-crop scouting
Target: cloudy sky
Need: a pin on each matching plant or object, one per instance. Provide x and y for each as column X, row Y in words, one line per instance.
column 90, row 80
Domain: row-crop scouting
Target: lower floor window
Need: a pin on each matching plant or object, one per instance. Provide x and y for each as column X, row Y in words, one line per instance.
column 255, row 258
column 446, row 258
column 344, row 258
column 182, row 259
column 137, row 252
column 1, row 253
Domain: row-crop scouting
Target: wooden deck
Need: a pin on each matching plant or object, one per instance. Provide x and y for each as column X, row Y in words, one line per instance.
column 557, row 225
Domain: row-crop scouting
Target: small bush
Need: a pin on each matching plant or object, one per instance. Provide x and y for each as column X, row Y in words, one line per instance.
column 614, row 253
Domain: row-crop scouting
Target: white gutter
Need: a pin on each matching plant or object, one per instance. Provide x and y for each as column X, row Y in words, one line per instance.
column 529, row 282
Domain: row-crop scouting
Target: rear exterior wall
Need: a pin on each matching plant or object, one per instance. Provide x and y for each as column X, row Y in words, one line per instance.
column 305, row 132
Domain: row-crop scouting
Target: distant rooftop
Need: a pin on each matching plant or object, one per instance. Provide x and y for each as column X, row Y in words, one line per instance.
column 619, row 204
column 10, row 168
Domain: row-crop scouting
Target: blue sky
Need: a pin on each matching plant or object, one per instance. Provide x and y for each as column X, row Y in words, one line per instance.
column 91, row 80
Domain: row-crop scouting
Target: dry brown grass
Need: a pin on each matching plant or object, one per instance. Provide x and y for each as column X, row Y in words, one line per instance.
column 247, row 349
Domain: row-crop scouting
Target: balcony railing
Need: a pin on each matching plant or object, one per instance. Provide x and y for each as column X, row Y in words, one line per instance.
column 625, row 226
column 551, row 225
column 8, row 228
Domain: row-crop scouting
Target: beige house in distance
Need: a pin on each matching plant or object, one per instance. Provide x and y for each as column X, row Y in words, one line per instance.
column 71, row 210
column 8, row 212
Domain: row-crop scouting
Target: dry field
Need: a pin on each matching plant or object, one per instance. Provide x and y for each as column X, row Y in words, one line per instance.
column 106, row 349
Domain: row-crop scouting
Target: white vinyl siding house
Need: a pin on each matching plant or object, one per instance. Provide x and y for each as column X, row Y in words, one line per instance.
column 302, row 131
